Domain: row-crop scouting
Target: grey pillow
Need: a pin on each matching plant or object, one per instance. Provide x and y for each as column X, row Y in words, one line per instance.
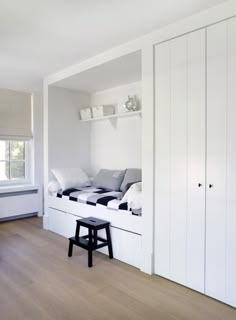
column 109, row 179
column 131, row 175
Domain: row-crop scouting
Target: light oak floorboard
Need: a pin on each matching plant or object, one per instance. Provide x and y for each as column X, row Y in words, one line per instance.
column 39, row 281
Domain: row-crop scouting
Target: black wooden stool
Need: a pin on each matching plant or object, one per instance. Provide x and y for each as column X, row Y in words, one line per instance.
column 90, row 241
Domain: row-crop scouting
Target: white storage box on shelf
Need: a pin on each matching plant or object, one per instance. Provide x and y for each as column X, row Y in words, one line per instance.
column 102, row 111
column 85, row 114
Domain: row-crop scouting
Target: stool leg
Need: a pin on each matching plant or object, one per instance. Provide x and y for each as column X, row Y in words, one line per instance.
column 90, row 251
column 70, row 251
column 109, row 242
column 90, row 258
column 77, row 231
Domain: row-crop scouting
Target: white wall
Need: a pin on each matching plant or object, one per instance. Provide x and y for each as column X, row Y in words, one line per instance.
column 38, row 144
column 68, row 138
column 116, row 143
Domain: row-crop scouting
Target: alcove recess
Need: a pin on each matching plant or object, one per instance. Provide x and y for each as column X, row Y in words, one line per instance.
column 114, row 141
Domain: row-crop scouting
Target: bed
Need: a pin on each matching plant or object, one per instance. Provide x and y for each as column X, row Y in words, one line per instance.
column 65, row 207
column 98, row 197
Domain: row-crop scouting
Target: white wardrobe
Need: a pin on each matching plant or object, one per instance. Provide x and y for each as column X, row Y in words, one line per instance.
column 195, row 160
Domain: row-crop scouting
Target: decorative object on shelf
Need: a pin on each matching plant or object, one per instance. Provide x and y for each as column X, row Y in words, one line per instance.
column 102, row 111
column 85, row 114
column 131, row 104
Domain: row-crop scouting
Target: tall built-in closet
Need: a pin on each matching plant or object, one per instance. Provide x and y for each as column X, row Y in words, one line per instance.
column 195, row 160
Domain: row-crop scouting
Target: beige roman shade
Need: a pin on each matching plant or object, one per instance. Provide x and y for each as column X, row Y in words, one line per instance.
column 15, row 115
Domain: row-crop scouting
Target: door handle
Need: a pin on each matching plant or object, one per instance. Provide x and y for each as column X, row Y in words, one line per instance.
column 200, row 185
column 210, row 185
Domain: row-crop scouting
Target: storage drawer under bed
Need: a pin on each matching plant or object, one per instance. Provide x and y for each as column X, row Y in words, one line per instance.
column 126, row 244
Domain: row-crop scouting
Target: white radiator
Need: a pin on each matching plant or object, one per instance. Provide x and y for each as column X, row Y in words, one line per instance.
column 18, row 203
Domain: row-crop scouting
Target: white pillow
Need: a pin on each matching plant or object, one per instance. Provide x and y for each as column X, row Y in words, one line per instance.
column 54, row 186
column 71, row 177
column 134, row 196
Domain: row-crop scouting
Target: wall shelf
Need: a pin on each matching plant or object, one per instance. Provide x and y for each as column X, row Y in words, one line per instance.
column 117, row 115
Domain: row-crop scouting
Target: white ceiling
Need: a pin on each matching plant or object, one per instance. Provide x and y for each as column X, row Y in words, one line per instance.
column 39, row 37
column 118, row 72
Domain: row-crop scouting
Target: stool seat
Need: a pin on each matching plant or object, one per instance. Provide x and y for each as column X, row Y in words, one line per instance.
column 90, row 241
column 93, row 223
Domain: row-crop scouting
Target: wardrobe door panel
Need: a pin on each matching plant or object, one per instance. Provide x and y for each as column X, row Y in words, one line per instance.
column 216, row 160
column 221, row 163
column 162, row 171
column 231, row 168
column 180, row 159
column 196, row 145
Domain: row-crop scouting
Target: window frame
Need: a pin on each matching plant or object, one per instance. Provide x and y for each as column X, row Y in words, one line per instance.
column 27, row 179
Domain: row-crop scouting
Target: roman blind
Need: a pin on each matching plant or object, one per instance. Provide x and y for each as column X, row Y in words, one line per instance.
column 15, row 115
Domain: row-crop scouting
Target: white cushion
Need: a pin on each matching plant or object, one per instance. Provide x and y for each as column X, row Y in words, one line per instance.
column 54, row 186
column 71, row 177
column 134, row 196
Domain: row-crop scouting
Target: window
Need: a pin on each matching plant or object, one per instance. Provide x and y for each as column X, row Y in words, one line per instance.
column 16, row 148
column 13, row 162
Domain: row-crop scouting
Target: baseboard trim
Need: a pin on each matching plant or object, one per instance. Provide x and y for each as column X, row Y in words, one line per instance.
column 22, row 216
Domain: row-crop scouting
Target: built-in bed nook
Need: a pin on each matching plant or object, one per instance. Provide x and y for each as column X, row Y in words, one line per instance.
column 91, row 132
column 183, row 80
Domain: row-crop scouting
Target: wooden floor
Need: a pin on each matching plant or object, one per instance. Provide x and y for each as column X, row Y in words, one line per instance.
column 38, row 281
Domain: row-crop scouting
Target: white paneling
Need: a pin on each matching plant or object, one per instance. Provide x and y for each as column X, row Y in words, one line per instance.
column 221, row 157
column 216, row 160
column 178, row 163
column 231, row 168
column 196, row 160
column 111, row 139
column 147, row 143
column 180, row 159
column 162, row 160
